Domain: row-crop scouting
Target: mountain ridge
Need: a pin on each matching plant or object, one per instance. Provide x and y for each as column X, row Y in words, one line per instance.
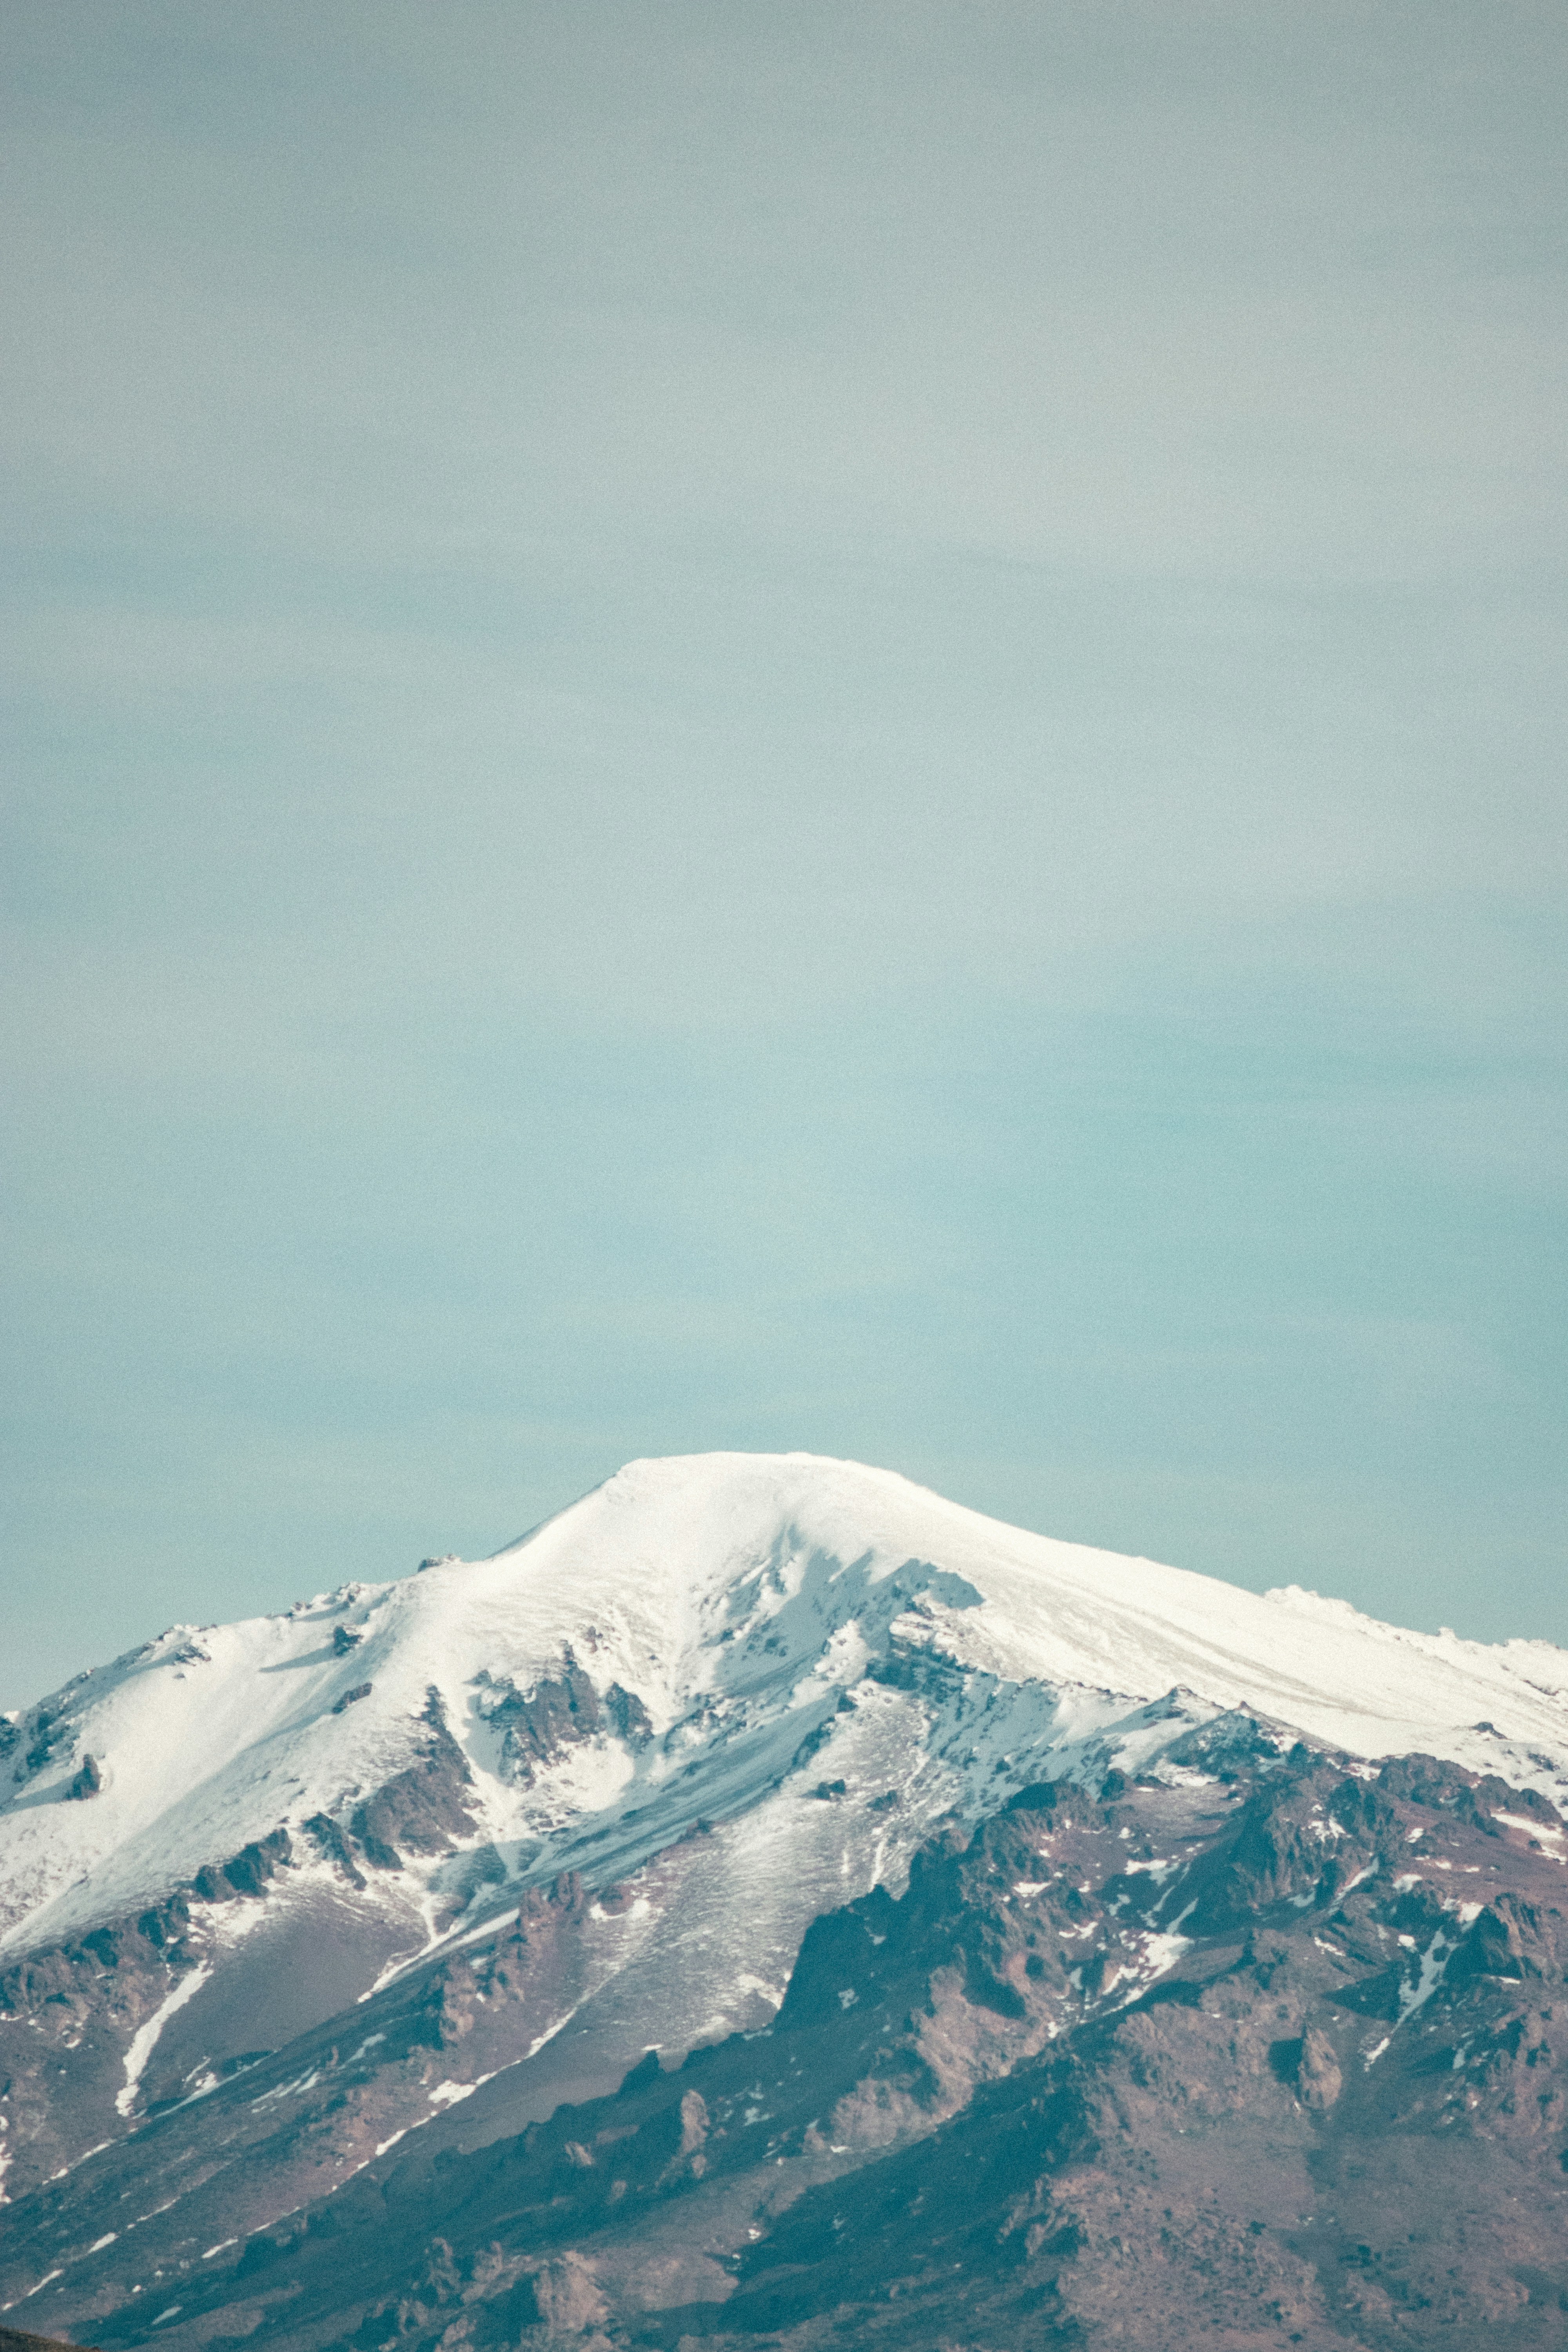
column 1059, row 1614
column 447, row 1855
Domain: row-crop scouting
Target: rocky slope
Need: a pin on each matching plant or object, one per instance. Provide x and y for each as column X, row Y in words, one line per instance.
column 1106, row 2001
column 1257, row 2048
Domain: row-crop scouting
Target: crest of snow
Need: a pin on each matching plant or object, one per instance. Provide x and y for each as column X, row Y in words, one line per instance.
column 673, row 1580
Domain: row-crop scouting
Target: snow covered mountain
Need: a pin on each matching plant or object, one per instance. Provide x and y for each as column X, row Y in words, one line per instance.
column 706, row 1639
column 658, row 1652
column 519, row 1820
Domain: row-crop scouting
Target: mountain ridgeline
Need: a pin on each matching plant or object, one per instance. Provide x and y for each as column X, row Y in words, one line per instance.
column 770, row 1905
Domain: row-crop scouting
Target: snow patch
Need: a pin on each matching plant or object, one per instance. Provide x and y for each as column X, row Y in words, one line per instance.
column 447, row 2095
column 144, row 2040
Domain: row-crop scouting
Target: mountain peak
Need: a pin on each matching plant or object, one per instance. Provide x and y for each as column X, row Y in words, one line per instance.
column 488, row 1831
column 733, row 1600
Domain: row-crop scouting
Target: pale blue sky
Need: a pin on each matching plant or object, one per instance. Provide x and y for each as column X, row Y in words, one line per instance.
column 827, row 727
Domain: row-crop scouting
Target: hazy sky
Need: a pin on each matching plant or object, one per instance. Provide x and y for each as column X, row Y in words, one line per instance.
column 735, row 725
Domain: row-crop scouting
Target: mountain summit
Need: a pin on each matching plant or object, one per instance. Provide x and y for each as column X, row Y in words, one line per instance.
column 443, row 1853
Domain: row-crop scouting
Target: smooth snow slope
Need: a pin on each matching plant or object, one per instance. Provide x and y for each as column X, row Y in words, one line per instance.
column 738, row 1596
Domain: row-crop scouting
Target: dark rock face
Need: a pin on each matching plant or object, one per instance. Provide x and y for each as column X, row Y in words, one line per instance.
column 245, row 1873
column 629, row 1715
column 87, row 1781
column 38, row 1735
column 255, row 1863
column 1267, row 2050
column 335, row 1846
column 422, row 1807
column 537, row 1726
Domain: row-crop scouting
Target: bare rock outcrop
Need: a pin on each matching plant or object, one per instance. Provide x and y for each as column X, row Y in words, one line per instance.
column 424, row 1808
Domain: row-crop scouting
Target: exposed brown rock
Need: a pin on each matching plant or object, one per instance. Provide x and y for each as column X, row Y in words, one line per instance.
column 1317, row 2071
column 247, row 1872
column 629, row 1715
column 537, row 1726
column 424, row 1807
column 335, row 1846
column 1272, row 2055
